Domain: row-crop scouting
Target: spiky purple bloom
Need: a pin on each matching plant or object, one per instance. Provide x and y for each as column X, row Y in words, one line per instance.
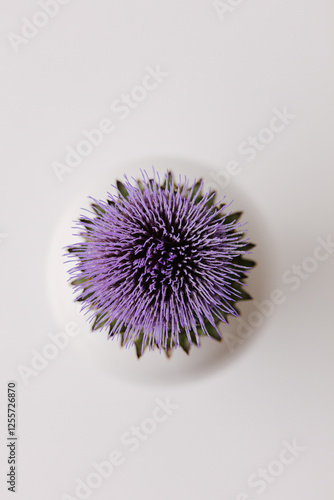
column 160, row 264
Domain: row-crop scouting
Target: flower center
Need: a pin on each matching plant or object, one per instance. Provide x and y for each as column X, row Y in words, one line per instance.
column 163, row 262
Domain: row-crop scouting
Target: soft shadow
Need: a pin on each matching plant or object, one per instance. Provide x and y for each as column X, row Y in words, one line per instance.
column 154, row 368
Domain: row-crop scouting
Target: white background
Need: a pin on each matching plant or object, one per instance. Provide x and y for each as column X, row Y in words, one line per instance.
column 236, row 404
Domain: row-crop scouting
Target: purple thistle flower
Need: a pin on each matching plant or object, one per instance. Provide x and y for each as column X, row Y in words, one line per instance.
column 160, row 264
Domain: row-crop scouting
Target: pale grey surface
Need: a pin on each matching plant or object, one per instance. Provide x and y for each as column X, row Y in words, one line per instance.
column 227, row 80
